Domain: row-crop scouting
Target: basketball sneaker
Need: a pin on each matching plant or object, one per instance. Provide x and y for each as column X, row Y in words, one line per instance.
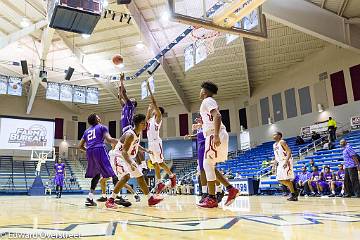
column 160, row 187
column 208, row 202
column 90, row 203
column 153, row 200
column 203, row 196
column 102, row 199
column 233, row 193
column 293, row 197
column 220, row 196
column 110, row 203
column 173, row 181
column 122, row 202
column 137, row 198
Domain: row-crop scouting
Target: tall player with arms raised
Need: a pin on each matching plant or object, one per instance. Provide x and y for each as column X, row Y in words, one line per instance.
column 129, row 146
column 284, row 171
column 128, row 106
column 96, row 154
column 216, row 145
column 154, row 120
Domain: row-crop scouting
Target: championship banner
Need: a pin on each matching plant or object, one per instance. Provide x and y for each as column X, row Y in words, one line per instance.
column 144, row 91
column 320, row 128
column 355, row 122
column 26, row 134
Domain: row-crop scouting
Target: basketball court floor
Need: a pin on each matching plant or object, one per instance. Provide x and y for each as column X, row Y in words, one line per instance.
column 255, row 217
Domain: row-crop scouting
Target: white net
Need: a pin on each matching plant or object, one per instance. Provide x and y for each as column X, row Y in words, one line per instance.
column 205, row 36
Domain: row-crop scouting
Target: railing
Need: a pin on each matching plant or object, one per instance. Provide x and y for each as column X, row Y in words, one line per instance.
column 259, row 175
column 312, row 146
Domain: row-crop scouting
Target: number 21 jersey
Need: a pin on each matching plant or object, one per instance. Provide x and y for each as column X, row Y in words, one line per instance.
column 94, row 136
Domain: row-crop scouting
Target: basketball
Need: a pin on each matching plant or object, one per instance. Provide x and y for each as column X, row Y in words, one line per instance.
column 117, row 59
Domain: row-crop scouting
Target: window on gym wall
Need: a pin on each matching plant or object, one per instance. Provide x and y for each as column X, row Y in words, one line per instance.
column 243, row 118
column 112, row 128
column 290, row 101
column 355, row 81
column 305, row 100
column 184, row 124
column 265, row 110
column 81, row 129
column 225, row 117
column 338, row 88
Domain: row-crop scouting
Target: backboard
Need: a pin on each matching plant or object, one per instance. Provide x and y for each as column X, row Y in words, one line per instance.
column 237, row 17
column 43, row 155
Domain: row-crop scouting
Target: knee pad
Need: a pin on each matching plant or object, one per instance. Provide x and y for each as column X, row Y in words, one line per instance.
column 209, row 168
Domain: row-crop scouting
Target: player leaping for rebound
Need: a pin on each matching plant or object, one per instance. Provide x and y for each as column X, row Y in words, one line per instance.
column 216, row 146
column 129, row 146
column 154, row 120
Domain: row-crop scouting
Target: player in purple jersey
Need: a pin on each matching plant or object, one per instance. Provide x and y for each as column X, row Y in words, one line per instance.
column 128, row 106
column 314, row 182
column 338, row 182
column 325, row 180
column 59, row 169
column 96, row 154
column 197, row 126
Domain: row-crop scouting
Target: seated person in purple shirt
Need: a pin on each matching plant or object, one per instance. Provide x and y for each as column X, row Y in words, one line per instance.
column 313, row 183
column 326, row 177
column 301, row 181
column 338, row 182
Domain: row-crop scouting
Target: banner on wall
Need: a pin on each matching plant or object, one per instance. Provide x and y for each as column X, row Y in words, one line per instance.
column 320, row 128
column 355, row 122
column 26, row 134
column 244, row 140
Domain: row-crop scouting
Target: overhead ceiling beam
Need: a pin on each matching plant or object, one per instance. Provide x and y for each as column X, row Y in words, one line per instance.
column 323, row 3
column 80, row 57
column 154, row 47
column 245, row 67
column 46, row 39
column 342, row 8
column 315, row 21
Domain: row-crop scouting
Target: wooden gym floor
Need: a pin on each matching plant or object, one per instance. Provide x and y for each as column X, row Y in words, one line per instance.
column 177, row 217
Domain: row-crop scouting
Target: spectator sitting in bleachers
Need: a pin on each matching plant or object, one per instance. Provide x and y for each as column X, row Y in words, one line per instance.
column 301, row 181
column 229, row 174
column 238, row 176
column 299, row 140
column 265, row 164
column 338, row 182
column 310, row 165
column 72, row 180
column 328, row 145
column 326, row 177
column 314, row 182
column 315, row 136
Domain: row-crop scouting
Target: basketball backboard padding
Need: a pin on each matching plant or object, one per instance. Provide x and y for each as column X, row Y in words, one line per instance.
column 195, row 16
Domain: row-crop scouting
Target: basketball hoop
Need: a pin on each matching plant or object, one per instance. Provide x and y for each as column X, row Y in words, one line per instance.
column 207, row 36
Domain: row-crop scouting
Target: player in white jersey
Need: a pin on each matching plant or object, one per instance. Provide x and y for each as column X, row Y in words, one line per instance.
column 117, row 167
column 154, row 121
column 216, row 145
column 284, row 160
column 129, row 146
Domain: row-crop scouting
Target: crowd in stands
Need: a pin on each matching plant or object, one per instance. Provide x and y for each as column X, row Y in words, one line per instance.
column 314, row 180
